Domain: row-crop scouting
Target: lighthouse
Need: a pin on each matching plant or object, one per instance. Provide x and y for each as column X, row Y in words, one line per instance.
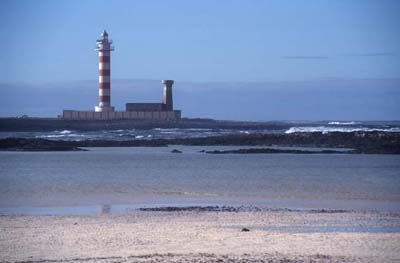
column 163, row 111
column 103, row 46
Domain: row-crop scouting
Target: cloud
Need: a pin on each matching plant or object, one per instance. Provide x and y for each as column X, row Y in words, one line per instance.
column 369, row 54
column 305, row 57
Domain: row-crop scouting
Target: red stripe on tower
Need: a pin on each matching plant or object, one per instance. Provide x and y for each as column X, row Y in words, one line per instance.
column 104, row 86
column 104, row 98
column 104, row 72
column 104, row 59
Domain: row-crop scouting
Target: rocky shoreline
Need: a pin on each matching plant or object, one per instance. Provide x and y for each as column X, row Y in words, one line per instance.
column 360, row 142
column 51, row 124
column 271, row 150
column 36, row 145
column 236, row 209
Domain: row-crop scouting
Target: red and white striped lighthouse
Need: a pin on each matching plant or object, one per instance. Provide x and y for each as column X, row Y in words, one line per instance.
column 104, row 48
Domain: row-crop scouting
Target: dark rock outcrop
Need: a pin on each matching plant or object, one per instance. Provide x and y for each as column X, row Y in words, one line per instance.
column 360, row 142
column 35, row 145
column 271, row 150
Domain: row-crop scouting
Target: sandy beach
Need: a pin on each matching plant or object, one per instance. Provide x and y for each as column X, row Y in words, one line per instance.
column 190, row 236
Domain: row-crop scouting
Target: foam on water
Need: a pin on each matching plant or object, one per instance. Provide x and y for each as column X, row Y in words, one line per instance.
column 65, row 132
column 327, row 129
column 174, row 133
column 65, row 135
column 342, row 123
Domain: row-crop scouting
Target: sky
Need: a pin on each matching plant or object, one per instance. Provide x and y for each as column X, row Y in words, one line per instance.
column 304, row 50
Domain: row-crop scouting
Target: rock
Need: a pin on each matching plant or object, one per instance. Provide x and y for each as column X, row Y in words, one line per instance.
column 272, row 150
column 176, row 151
column 361, row 142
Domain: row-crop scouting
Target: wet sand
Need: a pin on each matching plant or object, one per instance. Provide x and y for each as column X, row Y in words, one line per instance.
column 203, row 236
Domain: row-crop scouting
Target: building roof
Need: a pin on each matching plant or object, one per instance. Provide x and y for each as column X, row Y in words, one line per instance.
column 104, row 34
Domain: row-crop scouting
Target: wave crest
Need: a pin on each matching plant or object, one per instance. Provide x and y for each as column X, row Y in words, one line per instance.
column 326, row 130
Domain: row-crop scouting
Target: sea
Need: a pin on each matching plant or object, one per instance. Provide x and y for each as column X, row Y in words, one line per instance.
column 122, row 180
column 173, row 133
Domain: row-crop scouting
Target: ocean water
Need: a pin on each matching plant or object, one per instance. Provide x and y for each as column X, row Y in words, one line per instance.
column 121, row 179
column 129, row 134
column 172, row 133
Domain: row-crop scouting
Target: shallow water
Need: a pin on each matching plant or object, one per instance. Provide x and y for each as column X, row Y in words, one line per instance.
column 334, row 229
column 125, row 178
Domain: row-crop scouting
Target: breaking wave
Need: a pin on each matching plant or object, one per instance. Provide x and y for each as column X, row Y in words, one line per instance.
column 342, row 123
column 325, row 129
column 174, row 133
column 65, row 132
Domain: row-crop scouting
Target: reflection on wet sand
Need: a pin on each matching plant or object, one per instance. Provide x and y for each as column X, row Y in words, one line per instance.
column 105, row 209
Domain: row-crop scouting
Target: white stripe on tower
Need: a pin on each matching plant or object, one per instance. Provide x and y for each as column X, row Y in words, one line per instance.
column 104, row 53
column 104, row 92
column 104, row 79
column 104, row 65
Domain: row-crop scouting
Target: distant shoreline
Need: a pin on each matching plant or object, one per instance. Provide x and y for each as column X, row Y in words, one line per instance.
column 51, row 124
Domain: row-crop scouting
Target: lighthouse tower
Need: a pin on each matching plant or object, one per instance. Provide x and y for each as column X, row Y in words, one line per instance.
column 104, row 48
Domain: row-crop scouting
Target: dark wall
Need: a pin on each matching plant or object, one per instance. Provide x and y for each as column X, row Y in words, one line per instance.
column 144, row 107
